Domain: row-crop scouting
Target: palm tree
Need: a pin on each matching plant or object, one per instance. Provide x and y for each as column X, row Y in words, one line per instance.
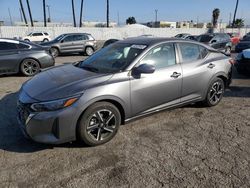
column 81, row 13
column 239, row 23
column 44, row 13
column 73, row 11
column 31, row 20
column 216, row 14
column 107, row 13
column 24, row 16
column 235, row 12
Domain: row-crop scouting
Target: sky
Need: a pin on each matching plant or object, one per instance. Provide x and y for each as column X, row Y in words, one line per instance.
column 142, row 10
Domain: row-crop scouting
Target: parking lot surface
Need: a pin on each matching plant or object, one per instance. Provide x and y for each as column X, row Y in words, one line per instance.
column 190, row 146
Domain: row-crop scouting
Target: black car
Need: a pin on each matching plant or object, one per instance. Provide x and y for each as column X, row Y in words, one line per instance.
column 219, row 41
column 242, row 63
column 243, row 44
column 19, row 56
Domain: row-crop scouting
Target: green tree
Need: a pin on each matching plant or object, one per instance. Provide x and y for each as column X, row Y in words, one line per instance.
column 131, row 20
column 216, row 14
column 239, row 23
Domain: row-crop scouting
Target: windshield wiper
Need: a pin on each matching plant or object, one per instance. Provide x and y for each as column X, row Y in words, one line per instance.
column 90, row 68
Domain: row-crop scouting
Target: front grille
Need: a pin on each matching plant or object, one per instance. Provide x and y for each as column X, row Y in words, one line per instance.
column 23, row 112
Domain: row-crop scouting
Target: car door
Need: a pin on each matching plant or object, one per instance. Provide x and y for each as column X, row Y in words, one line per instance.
column 79, row 42
column 67, row 44
column 163, row 87
column 9, row 57
column 196, row 69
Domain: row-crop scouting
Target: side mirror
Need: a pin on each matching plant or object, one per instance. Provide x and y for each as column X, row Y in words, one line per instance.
column 62, row 41
column 144, row 69
column 213, row 41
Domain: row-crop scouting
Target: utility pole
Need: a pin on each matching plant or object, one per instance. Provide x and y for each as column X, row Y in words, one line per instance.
column 24, row 17
column 235, row 12
column 118, row 18
column 44, row 14
column 21, row 16
column 49, row 18
column 10, row 17
column 107, row 13
column 73, row 11
column 156, row 16
column 81, row 13
column 31, row 20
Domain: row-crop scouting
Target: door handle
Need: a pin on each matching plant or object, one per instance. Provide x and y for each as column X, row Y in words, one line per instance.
column 175, row 75
column 211, row 65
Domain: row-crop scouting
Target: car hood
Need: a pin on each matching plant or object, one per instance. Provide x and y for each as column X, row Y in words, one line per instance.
column 62, row 81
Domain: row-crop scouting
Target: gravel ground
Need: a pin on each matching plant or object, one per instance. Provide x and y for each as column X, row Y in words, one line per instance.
column 185, row 147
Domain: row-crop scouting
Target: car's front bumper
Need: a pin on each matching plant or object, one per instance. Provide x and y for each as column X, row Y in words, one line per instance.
column 48, row 127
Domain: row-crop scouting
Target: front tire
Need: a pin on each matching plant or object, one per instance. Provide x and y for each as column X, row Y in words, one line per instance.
column 54, row 52
column 99, row 124
column 215, row 92
column 30, row 67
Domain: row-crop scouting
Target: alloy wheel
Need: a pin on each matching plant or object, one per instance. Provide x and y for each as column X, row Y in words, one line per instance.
column 215, row 93
column 101, row 125
column 30, row 67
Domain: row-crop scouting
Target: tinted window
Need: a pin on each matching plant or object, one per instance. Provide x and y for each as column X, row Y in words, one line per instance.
column 37, row 34
column 7, row 46
column 204, row 38
column 79, row 37
column 46, row 34
column 161, row 56
column 189, row 52
column 23, row 46
column 246, row 38
column 69, row 38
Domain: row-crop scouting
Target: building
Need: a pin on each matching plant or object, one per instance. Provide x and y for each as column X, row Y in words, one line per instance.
column 41, row 24
column 98, row 24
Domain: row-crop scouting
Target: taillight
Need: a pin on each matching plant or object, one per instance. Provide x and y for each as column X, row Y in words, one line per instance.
column 232, row 61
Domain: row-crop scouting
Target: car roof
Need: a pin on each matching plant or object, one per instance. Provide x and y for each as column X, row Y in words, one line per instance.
column 76, row 34
column 10, row 40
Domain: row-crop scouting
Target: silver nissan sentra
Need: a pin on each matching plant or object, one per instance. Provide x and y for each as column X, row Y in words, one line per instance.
column 89, row 100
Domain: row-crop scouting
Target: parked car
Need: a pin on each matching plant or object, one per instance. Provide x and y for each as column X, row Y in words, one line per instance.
column 72, row 43
column 110, row 41
column 192, row 37
column 243, row 62
column 131, row 78
column 182, row 35
column 243, row 44
column 235, row 38
column 219, row 41
column 19, row 56
column 37, row 37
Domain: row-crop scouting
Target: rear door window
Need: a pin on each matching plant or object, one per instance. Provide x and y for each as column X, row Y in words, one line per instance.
column 189, row 52
column 37, row 34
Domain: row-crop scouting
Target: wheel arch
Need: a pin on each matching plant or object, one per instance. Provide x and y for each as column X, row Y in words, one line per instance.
column 19, row 68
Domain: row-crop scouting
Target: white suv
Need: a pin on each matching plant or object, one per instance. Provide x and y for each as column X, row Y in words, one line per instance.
column 37, row 37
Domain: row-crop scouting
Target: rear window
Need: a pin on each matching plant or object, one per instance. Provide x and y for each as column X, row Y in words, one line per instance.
column 23, row 46
column 46, row 34
column 204, row 38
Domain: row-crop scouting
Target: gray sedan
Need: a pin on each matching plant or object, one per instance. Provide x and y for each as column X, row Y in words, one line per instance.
column 19, row 56
column 89, row 100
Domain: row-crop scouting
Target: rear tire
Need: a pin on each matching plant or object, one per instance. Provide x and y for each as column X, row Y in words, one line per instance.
column 45, row 40
column 89, row 51
column 215, row 92
column 99, row 124
column 30, row 67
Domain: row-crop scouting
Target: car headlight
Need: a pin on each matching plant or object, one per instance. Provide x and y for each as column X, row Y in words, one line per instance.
column 54, row 105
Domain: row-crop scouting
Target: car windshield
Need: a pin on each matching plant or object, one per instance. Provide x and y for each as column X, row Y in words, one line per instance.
column 113, row 58
column 246, row 38
column 59, row 37
column 30, row 34
column 204, row 38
